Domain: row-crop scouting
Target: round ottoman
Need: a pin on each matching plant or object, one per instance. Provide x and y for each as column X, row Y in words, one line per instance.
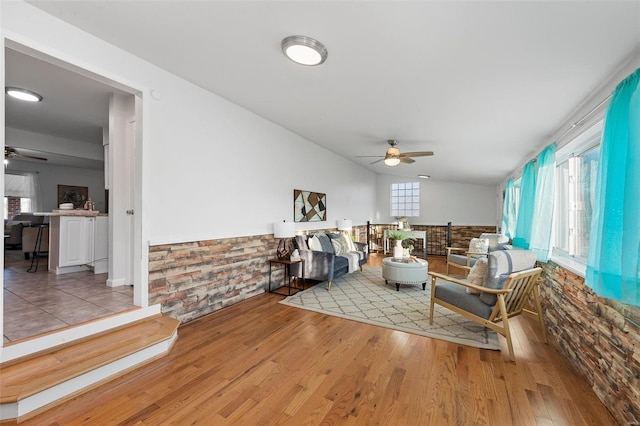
column 413, row 271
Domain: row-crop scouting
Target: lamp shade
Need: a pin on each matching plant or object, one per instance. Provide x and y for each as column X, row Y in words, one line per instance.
column 344, row 225
column 284, row 229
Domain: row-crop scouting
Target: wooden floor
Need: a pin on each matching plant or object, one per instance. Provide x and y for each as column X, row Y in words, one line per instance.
column 262, row 363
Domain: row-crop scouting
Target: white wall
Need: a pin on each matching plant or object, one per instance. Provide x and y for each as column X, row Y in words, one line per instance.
column 441, row 202
column 51, row 176
column 212, row 169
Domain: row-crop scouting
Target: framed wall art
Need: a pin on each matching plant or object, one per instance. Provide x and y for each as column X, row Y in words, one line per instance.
column 309, row 206
column 73, row 194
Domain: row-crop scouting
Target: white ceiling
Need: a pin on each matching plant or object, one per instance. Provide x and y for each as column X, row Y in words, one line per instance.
column 74, row 108
column 483, row 84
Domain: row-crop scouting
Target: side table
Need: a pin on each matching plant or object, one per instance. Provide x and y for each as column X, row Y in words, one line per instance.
column 287, row 273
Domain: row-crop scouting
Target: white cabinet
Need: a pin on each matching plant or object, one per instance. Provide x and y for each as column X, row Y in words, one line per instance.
column 75, row 242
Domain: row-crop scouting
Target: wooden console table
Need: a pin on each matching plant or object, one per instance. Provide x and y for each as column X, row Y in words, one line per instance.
column 416, row 235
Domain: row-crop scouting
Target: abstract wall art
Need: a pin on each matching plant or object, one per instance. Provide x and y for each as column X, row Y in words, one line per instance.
column 309, row 206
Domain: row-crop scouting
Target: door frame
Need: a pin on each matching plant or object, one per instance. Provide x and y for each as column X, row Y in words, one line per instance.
column 140, row 252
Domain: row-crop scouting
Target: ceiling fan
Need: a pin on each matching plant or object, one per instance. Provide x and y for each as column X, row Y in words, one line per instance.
column 393, row 156
column 10, row 152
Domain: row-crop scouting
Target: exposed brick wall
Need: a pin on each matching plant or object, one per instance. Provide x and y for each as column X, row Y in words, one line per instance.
column 193, row 279
column 600, row 337
column 436, row 236
column 13, row 206
column 462, row 235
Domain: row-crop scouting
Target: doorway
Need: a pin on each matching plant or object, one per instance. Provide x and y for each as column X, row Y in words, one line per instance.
column 80, row 129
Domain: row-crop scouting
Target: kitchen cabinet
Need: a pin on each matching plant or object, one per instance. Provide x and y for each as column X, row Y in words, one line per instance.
column 78, row 243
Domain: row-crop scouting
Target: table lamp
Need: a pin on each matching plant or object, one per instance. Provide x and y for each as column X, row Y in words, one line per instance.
column 345, row 225
column 285, row 231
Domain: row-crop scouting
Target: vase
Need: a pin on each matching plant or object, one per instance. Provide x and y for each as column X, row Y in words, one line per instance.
column 398, row 250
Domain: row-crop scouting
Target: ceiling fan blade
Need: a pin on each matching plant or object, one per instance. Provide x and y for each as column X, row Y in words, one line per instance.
column 417, row 154
column 407, row 160
column 377, row 161
column 369, row 156
column 31, row 157
column 12, row 153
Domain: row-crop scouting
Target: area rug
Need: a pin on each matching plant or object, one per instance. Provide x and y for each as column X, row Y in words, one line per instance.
column 363, row 296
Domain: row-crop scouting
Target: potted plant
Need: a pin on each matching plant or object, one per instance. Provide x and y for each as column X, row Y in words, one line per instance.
column 398, row 237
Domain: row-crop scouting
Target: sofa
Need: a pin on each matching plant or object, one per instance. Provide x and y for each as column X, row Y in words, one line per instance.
column 13, row 228
column 320, row 259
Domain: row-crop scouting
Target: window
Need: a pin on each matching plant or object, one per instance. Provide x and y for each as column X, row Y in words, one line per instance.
column 577, row 169
column 16, row 205
column 405, row 199
column 20, row 193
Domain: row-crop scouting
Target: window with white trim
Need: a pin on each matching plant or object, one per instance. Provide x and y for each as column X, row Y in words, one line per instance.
column 576, row 173
column 405, row 199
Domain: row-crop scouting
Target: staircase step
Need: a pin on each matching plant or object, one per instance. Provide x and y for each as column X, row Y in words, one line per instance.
column 51, row 377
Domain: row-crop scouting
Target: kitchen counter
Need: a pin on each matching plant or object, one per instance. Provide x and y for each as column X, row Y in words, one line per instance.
column 57, row 212
column 75, row 212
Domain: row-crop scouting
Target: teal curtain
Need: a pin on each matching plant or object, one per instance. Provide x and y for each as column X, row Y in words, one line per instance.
column 522, row 237
column 544, row 203
column 613, row 267
column 508, row 225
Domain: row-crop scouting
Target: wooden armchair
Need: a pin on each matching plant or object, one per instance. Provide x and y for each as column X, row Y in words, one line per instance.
column 462, row 259
column 503, row 295
column 462, row 262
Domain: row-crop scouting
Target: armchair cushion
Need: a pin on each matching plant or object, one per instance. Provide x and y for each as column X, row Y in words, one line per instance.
column 479, row 245
column 460, row 259
column 456, row 295
column 496, row 241
column 501, row 263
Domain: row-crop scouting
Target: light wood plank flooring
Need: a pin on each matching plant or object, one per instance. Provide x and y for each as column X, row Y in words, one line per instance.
column 262, row 363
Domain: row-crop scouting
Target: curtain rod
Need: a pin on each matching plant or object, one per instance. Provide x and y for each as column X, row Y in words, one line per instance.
column 573, row 126
column 584, row 117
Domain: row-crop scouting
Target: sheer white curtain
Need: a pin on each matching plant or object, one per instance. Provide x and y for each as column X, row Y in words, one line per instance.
column 24, row 185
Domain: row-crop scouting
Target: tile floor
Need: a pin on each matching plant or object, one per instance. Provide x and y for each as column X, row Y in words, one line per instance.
column 40, row 302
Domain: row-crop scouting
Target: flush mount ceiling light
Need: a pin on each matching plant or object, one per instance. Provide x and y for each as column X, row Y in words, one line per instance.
column 23, row 94
column 424, row 176
column 304, row 50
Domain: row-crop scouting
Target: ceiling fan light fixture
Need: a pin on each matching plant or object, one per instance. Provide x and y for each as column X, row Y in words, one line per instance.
column 392, row 160
column 304, row 50
column 395, row 152
column 23, row 94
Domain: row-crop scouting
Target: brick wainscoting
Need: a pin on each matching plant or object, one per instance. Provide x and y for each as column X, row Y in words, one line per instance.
column 462, row 235
column 193, row 279
column 600, row 337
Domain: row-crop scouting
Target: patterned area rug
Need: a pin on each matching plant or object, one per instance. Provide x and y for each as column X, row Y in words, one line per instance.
column 364, row 296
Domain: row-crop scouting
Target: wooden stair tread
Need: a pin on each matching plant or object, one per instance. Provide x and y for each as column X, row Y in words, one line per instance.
column 23, row 379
